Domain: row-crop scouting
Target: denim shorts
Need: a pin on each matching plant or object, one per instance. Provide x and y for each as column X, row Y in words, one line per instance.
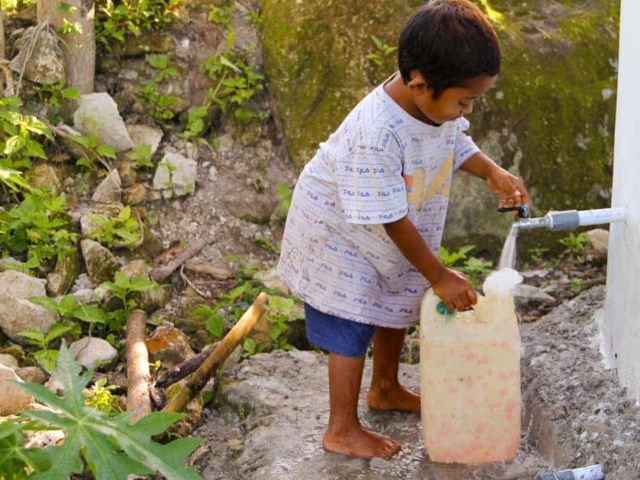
column 337, row 335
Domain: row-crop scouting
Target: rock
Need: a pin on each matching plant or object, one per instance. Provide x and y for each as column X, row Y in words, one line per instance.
column 100, row 262
column 92, row 352
column 109, row 190
column 98, row 114
column 529, row 292
column 65, row 273
column 85, row 295
column 142, row 135
column 9, row 361
column 271, row 280
column 45, row 176
column 169, row 346
column 21, row 285
column 12, row 397
column 134, row 195
column 89, row 222
column 44, row 65
column 599, row 239
column 127, row 172
column 151, row 246
column 547, row 47
column 18, row 314
column 32, row 375
column 175, row 176
column 148, row 42
column 10, row 263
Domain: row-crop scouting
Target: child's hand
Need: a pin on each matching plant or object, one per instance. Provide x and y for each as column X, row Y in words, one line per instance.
column 455, row 291
column 509, row 188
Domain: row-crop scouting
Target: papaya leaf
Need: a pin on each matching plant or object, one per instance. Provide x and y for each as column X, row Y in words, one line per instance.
column 111, row 447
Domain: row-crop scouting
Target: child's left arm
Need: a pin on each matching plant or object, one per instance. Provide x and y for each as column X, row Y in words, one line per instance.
column 509, row 188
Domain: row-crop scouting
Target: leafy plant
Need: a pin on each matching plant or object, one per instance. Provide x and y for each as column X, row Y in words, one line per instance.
column 122, row 287
column 382, row 51
column 161, row 63
column 256, row 19
column 110, row 447
column 264, row 243
column 14, row 180
column 576, row 283
column 576, row 245
column 54, row 94
column 124, row 229
column 37, row 227
column 285, row 194
column 121, row 19
column 69, row 309
column 195, row 122
column 95, row 152
column 251, row 347
column 46, row 357
column 279, row 312
column 213, row 321
column 221, row 16
column 141, row 157
column 237, row 83
column 18, row 142
column 15, row 460
column 537, row 253
column 162, row 102
column 451, row 259
column 100, row 396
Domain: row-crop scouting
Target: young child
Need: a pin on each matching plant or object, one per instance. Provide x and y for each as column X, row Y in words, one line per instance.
column 363, row 231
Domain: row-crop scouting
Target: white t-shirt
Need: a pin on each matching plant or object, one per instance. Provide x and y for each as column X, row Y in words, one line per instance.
column 380, row 165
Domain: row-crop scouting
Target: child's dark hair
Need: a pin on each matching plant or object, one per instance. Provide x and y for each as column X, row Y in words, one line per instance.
column 448, row 42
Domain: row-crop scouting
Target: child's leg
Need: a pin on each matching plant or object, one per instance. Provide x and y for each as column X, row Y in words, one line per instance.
column 385, row 392
column 344, row 433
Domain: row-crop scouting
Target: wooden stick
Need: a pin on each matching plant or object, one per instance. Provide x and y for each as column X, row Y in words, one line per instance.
column 138, row 375
column 235, row 336
column 186, row 368
column 208, row 269
column 159, row 274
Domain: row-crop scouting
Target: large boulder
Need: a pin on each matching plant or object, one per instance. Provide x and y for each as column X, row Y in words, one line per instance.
column 549, row 118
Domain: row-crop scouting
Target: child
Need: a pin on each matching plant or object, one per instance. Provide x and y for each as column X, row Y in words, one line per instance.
column 368, row 210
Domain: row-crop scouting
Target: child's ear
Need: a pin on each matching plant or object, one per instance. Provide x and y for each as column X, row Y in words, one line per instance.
column 417, row 85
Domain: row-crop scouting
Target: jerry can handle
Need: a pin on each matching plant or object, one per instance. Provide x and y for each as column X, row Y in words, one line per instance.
column 443, row 310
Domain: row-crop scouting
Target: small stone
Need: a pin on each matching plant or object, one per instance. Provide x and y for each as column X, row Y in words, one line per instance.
column 134, row 195
column 618, row 443
column 109, row 190
column 8, row 361
column 32, row 375
column 12, row 397
column 599, row 239
column 92, row 352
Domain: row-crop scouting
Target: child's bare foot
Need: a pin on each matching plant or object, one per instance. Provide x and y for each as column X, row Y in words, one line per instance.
column 360, row 442
column 393, row 398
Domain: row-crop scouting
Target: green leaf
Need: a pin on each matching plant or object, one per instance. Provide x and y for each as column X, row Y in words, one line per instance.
column 215, row 326
column 34, row 335
column 111, row 447
column 106, row 151
column 47, row 359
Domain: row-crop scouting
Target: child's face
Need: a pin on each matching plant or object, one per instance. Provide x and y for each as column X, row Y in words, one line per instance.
column 451, row 104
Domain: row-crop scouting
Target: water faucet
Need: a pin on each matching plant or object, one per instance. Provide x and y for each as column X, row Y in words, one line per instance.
column 567, row 219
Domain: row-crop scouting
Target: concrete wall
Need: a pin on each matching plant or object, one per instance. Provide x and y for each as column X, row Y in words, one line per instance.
column 621, row 319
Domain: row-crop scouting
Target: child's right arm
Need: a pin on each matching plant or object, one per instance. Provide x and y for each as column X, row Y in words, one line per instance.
column 452, row 287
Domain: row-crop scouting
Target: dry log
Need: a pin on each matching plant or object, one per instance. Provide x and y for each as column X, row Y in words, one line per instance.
column 235, row 336
column 208, row 269
column 138, row 375
column 186, row 368
column 159, row 274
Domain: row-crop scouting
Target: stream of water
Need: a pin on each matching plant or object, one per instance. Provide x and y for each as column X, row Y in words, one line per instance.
column 508, row 255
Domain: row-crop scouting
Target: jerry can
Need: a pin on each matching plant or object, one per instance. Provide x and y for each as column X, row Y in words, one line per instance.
column 470, row 376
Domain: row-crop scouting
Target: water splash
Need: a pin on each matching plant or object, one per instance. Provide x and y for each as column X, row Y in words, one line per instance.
column 508, row 256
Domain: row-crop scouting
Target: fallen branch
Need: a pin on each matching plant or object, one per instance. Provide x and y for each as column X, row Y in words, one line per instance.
column 208, row 269
column 138, row 375
column 186, row 280
column 235, row 336
column 186, row 368
column 159, row 274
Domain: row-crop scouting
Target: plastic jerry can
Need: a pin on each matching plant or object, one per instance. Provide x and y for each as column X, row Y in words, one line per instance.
column 470, row 376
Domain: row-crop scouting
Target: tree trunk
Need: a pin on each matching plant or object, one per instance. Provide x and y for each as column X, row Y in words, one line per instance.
column 79, row 48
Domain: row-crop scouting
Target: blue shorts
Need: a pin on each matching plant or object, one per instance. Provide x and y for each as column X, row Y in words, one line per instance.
column 337, row 335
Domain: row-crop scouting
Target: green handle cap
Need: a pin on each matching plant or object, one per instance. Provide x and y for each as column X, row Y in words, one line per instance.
column 442, row 310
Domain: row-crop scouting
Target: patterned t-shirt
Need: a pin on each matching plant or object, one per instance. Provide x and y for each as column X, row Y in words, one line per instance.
column 380, row 165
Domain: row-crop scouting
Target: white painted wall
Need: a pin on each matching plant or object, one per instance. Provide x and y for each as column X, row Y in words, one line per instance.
column 621, row 319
